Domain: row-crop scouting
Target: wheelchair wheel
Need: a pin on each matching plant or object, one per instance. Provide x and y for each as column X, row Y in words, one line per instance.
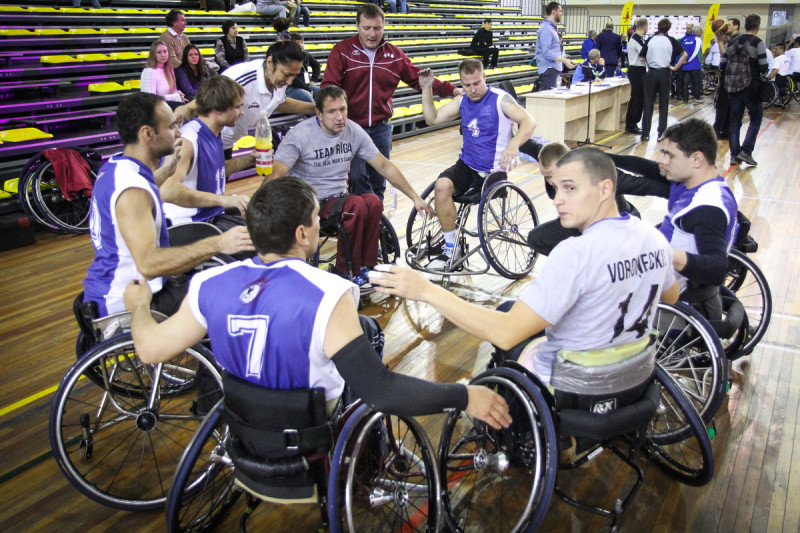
column 499, row 481
column 388, row 242
column 203, row 491
column 750, row 286
column 118, row 443
column 383, row 476
column 677, row 440
column 506, row 217
column 710, row 81
column 423, row 232
column 690, row 351
column 46, row 200
column 769, row 94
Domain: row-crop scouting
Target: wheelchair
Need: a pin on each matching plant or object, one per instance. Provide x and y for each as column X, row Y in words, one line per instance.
column 380, row 475
column 497, row 238
column 711, row 78
column 41, row 197
column 503, row 480
column 331, row 229
column 117, row 425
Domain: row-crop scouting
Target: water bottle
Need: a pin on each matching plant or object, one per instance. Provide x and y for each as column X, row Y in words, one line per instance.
column 392, row 197
column 263, row 145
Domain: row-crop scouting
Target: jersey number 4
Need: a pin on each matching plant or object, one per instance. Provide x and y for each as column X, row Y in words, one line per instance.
column 640, row 326
column 255, row 328
column 473, row 127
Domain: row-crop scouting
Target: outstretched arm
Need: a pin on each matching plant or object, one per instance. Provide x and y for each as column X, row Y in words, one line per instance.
column 433, row 115
column 393, row 175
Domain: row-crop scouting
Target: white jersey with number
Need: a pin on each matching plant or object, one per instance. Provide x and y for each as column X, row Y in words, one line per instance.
column 600, row 289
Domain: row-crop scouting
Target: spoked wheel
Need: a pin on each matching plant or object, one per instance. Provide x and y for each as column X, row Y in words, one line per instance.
column 383, row 476
column 51, row 206
column 119, row 443
column 750, row 286
column 690, row 351
column 499, row 481
column 769, row 94
column 389, row 244
column 203, row 491
column 506, row 217
column 677, row 440
column 710, row 81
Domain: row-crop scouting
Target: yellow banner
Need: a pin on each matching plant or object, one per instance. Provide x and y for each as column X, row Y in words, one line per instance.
column 625, row 20
column 708, row 34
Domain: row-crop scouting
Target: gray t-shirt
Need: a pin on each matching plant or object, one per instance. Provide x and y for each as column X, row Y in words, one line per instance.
column 323, row 160
column 600, row 289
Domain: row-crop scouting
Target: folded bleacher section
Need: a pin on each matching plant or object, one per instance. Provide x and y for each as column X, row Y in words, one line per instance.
column 63, row 70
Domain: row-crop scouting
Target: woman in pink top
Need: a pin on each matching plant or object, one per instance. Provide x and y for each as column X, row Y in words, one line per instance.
column 158, row 76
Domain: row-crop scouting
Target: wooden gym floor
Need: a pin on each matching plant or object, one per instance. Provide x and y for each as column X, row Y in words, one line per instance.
column 757, row 481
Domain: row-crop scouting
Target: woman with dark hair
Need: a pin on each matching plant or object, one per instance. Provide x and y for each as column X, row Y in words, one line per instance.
column 281, row 27
column 230, row 49
column 192, row 72
column 158, row 76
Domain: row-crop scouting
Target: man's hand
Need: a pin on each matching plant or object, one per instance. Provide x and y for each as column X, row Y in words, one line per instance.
column 679, row 259
column 400, row 281
column 509, row 159
column 169, row 164
column 422, row 206
column 602, row 61
column 485, row 404
column 235, row 240
column 137, row 295
column 426, row 79
column 568, row 63
column 236, row 201
column 458, row 91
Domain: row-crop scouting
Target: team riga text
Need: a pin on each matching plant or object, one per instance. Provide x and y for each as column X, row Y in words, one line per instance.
column 636, row 266
column 341, row 148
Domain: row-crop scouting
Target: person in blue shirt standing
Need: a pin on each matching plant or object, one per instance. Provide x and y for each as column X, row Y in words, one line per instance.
column 550, row 57
column 589, row 44
column 692, row 71
column 610, row 46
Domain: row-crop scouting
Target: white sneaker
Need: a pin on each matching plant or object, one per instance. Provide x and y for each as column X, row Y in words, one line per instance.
column 444, row 262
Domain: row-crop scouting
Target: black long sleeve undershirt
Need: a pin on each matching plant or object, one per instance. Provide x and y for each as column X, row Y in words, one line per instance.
column 708, row 224
column 390, row 392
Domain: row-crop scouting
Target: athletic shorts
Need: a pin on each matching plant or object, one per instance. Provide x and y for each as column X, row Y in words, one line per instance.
column 464, row 177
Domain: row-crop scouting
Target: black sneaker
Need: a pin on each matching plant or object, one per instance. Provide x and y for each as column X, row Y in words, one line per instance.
column 746, row 158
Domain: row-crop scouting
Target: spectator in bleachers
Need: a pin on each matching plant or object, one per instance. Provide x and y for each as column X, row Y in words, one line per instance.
column 265, row 82
column 304, row 87
column 192, row 72
column 589, row 44
column 610, row 46
column 77, row 3
column 482, row 45
column 395, row 4
column 271, row 8
column 303, row 11
column 370, row 84
column 550, row 58
column 281, row 26
column 230, row 48
column 158, row 76
column 174, row 38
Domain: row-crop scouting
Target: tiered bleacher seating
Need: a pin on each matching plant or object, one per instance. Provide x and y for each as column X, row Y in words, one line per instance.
column 64, row 69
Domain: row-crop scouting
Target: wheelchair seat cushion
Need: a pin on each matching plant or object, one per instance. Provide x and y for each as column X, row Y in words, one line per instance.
column 601, row 417
column 580, row 373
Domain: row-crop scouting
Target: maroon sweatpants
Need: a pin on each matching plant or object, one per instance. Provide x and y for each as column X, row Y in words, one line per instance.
column 361, row 218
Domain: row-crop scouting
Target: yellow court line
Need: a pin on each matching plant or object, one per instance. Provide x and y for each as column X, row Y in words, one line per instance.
column 22, row 403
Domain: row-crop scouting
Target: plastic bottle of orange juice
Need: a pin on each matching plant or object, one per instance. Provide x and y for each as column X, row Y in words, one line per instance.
column 263, row 146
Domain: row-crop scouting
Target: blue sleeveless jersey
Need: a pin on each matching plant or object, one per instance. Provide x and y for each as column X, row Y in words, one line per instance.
column 486, row 131
column 113, row 266
column 207, row 173
column 267, row 322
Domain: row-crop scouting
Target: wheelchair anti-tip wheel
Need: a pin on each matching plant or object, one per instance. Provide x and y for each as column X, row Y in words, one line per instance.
column 118, row 443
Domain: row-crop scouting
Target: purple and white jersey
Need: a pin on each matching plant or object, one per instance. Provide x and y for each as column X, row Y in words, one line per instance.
column 600, row 289
column 681, row 201
column 486, row 131
column 207, row 173
column 113, row 266
column 267, row 322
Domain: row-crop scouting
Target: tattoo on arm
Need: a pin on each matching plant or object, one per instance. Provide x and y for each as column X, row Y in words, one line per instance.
column 508, row 99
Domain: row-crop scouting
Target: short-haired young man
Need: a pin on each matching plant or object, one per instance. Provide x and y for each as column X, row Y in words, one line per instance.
column 320, row 150
column 595, row 291
column 482, row 45
column 637, row 69
column 722, row 116
column 303, row 320
column 174, row 37
column 127, row 223
column 196, row 191
column 487, row 114
column 550, row 56
column 369, row 69
column 749, row 98
column 658, row 52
